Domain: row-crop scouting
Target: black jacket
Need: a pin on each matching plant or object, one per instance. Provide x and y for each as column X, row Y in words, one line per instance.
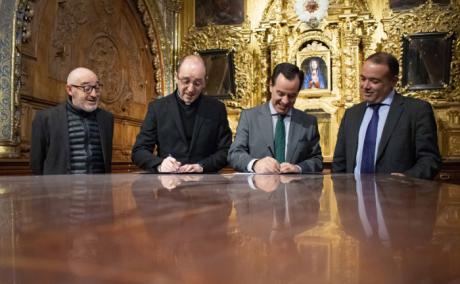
column 163, row 132
column 49, row 150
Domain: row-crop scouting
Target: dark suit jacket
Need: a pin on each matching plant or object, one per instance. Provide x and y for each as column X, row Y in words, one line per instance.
column 408, row 144
column 162, row 130
column 49, row 150
column 255, row 134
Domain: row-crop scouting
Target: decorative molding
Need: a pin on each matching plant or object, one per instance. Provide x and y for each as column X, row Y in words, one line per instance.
column 158, row 42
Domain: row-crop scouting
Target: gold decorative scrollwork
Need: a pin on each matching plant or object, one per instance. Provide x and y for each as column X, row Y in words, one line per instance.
column 429, row 17
column 232, row 38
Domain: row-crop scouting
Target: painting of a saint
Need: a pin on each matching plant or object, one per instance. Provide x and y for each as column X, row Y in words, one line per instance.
column 219, row 12
column 315, row 73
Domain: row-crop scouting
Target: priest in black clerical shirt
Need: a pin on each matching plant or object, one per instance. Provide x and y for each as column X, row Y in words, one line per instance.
column 185, row 132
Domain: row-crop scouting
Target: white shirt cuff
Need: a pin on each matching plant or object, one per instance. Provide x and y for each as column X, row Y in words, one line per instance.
column 249, row 167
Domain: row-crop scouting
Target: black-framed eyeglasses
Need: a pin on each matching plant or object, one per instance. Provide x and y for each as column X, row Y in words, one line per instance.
column 88, row 89
column 187, row 81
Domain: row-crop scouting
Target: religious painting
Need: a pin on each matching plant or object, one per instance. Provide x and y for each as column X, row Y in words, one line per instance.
column 426, row 60
column 219, row 12
column 316, row 67
column 408, row 4
column 405, row 4
column 220, row 72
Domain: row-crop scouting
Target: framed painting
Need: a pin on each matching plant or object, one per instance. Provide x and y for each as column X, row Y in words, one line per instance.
column 405, row 4
column 219, row 12
column 220, row 69
column 316, row 65
column 426, row 60
column 409, row 4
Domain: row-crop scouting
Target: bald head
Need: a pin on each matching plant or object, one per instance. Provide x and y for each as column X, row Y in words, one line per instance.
column 76, row 76
column 83, row 88
column 192, row 59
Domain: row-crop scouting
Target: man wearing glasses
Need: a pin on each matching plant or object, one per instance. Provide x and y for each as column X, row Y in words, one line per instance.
column 74, row 137
column 185, row 132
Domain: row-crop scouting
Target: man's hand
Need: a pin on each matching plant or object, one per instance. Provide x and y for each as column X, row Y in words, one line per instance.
column 287, row 168
column 190, row 168
column 169, row 165
column 398, row 174
column 266, row 165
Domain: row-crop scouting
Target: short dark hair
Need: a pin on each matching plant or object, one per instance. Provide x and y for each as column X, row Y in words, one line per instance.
column 386, row 59
column 290, row 71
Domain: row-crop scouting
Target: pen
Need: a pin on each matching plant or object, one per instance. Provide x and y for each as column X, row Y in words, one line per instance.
column 271, row 151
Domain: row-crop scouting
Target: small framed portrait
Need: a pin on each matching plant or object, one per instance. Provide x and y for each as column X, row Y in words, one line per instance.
column 316, row 66
column 220, row 71
column 426, row 60
column 219, row 12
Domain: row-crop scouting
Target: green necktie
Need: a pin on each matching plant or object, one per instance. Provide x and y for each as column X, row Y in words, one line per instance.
column 280, row 139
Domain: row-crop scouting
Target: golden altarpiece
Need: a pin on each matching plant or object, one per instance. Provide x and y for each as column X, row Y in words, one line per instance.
column 351, row 31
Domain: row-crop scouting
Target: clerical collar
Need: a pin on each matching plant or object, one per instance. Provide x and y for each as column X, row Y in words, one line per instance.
column 194, row 104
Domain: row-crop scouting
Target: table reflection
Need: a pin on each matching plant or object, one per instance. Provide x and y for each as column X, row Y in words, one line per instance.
column 392, row 228
column 237, row 228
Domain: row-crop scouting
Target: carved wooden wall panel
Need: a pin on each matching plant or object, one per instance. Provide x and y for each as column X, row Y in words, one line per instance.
column 108, row 37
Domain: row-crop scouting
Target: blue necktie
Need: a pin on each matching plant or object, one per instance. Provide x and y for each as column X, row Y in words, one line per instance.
column 367, row 162
column 280, row 139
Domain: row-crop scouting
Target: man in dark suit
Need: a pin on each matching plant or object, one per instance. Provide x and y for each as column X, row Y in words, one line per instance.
column 387, row 133
column 74, row 137
column 189, row 131
column 275, row 137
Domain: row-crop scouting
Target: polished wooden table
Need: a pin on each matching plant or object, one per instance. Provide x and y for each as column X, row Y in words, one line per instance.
column 236, row 228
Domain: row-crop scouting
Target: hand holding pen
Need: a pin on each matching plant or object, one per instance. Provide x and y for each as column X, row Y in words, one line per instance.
column 169, row 165
column 267, row 165
column 284, row 168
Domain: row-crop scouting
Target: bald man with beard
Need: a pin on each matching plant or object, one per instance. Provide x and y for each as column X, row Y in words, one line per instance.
column 74, row 137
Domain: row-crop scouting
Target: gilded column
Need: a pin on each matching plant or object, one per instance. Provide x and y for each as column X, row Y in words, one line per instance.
column 350, row 42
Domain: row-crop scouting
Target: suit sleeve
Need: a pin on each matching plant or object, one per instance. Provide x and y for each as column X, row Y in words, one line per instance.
column 339, row 161
column 314, row 162
column 238, row 155
column 428, row 160
column 218, row 159
column 142, row 154
column 38, row 145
